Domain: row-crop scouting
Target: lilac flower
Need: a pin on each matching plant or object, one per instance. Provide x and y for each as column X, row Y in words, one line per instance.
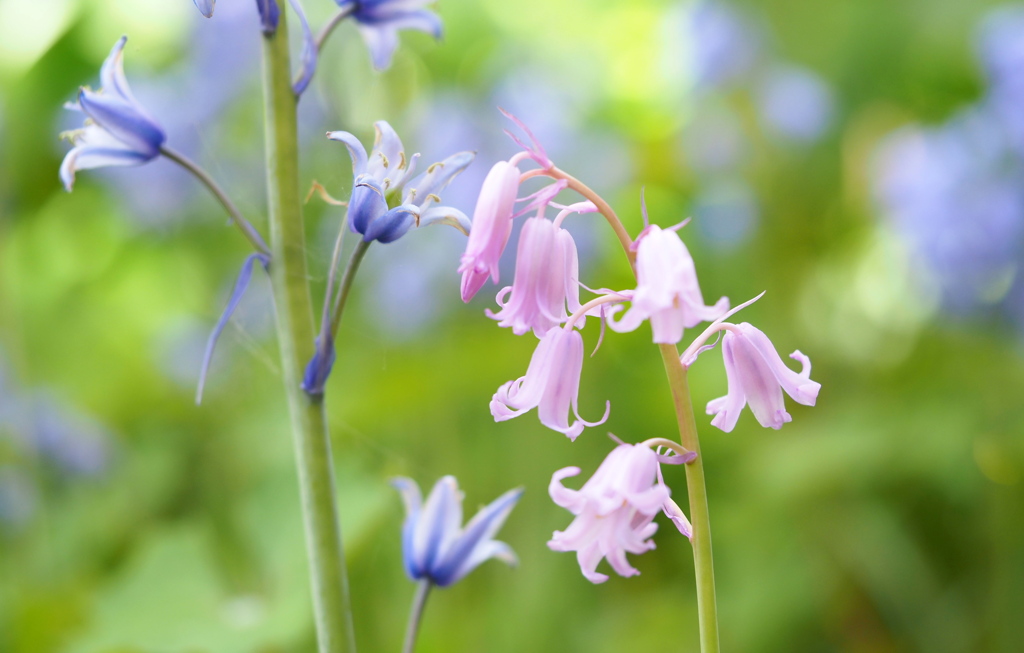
column 614, row 510
column 551, row 385
column 667, row 292
column 435, row 546
column 380, row 20
column 757, row 376
column 492, row 225
column 118, row 131
column 726, row 45
column 205, row 7
column 383, row 175
column 796, row 103
column 547, row 278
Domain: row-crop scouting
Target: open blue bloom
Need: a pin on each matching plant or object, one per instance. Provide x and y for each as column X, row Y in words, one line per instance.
column 435, row 547
column 380, row 20
column 117, row 131
column 385, row 176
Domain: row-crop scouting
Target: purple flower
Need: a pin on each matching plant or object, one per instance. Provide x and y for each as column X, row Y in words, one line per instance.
column 435, row 546
column 270, row 13
column 492, row 225
column 726, row 45
column 205, row 7
column 547, row 278
column 796, row 103
column 667, row 292
column 380, row 20
column 118, row 131
column 614, row 510
column 380, row 179
column 757, row 376
column 551, row 384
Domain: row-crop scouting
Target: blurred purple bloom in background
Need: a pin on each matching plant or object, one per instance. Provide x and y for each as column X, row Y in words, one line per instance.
column 205, row 7
column 795, row 103
column 726, row 44
column 118, row 130
column 380, row 20
column 435, row 545
column 955, row 192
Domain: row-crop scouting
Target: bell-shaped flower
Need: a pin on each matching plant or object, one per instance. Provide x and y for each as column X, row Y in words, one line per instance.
column 118, row 131
column 492, row 226
column 547, row 278
column 551, row 385
column 269, row 12
column 435, row 546
column 614, row 510
column 380, row 20
column 385, row 176
column 667, row 292
column 757, row 376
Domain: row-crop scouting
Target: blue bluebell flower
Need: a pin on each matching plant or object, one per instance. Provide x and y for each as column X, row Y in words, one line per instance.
column 241, row 284
column 386, row 200
column 435, row 546
column 796, row 104
column 205, row 7
column 725, row 44
column 380, row 20
column 118, row 131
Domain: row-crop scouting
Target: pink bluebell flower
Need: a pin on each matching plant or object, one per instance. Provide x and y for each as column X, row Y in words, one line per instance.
column 667, row 291
column 380, row 20
column 757, row 376
column 386, row 199
column 118, row 130
column 547, row 279
column 551, row 385
column 435, row 546
column 614, row 510
column 492, row 225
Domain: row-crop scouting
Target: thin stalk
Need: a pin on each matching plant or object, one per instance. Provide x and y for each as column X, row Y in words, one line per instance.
column 243, row 225
column 346, row 284
column 295, row 327
column 416, row 615
column 328, row 29
column 707, row 610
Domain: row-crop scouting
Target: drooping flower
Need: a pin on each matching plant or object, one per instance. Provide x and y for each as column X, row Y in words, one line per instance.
column 757, row 376
column 205, row 7
column 614, row 510
column 380, row 20
column 378, row 209
column 547, row 278
column 492, row 225
column 435, row 546
column 551, row 385
column 667, row 291
column 118, row 130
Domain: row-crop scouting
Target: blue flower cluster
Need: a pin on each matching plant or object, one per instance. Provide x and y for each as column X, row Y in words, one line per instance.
column 955, row 191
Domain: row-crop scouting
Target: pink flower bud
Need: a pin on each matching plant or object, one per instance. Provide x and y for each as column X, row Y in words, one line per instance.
column 492, row 225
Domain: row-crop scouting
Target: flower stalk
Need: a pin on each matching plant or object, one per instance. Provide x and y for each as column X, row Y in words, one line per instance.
column 295, row 326
column 419, row 602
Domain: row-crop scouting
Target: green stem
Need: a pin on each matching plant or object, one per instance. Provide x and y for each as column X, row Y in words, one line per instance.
column 416, row 615
column 295, row 328
column 707, row 610
column 346, row 285
column 328, row 29
column 243, row 225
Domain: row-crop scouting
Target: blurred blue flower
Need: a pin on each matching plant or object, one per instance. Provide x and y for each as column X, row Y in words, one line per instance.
column 725, row 44
column 726, row 212
column 955, row 193
column 270, row 13
column 435, row 546
column 795, row 103
column 380, row 20
column 205, row 7
column 118, row 130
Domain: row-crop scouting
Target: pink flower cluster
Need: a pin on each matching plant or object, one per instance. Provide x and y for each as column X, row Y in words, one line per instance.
column 615, row 509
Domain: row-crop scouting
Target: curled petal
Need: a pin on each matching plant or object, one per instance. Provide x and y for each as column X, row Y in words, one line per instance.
column 355, row 150
column 236, row 296
column 308, row 58
column 446, row 215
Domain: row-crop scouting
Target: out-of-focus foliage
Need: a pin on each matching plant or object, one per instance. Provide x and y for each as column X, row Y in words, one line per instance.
column 890, row 517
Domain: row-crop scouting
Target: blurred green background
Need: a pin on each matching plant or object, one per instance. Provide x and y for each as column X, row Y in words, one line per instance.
column 890, row 517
